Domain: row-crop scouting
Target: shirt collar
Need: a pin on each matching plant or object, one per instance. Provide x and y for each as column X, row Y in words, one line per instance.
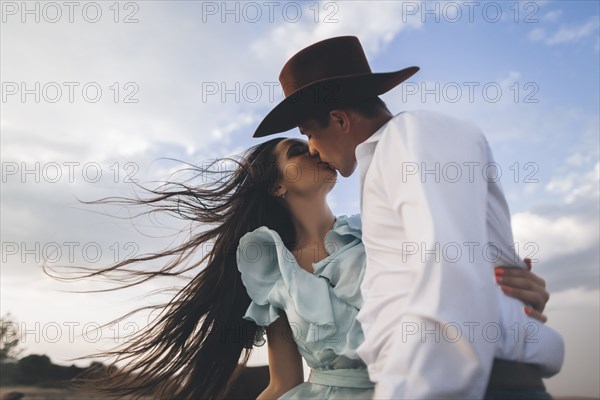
column 364, row 148
column 375, row 136
column 364, row 155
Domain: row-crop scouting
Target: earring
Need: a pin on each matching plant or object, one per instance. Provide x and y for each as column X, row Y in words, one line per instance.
column 283, row 196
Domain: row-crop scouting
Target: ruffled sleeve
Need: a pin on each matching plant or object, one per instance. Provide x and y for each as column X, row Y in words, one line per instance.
column 321, row 306
column 275, row 282
column 261, row 276
column 345, row 267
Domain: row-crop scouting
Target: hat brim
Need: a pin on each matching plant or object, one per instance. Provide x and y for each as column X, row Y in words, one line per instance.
column 326, row 93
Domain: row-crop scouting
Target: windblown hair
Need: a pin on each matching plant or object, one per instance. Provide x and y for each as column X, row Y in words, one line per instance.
column 192, row 349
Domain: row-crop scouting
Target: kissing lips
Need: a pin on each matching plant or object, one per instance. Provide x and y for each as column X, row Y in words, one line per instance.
column 327, row 165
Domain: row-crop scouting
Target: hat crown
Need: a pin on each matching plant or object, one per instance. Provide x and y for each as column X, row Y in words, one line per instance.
column 330, row 58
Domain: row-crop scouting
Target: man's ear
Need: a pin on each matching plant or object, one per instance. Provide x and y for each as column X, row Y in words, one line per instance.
column 341, row 119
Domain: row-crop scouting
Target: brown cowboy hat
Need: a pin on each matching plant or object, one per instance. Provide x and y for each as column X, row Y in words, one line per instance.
column 329, row 72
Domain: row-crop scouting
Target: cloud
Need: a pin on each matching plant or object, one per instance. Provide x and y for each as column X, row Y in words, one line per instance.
column 179, row 78
column 575, row 185
column 552, row 16
column 578, row 159
column 167, row 70
column 564, row 236
column 565, row 34
column 554, row 236
column 347, row 18
column 537, row 34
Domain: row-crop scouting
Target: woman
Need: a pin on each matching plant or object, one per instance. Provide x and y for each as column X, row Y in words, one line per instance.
column 276, row 196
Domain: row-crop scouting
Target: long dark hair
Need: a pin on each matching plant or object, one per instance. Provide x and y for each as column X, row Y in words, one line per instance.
column 192, row 349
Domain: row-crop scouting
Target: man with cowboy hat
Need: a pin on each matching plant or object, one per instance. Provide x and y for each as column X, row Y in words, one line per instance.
column 435, row 323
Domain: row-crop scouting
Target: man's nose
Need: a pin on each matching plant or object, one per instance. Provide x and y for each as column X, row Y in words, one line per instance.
column 312, row 151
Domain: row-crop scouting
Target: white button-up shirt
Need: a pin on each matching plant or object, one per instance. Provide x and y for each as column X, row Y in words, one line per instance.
column 435, row 223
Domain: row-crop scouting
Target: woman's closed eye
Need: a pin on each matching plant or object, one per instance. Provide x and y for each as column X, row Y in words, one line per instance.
column 297, row 150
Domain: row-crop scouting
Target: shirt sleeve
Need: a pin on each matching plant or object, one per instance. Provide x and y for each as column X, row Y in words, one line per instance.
column 428, row 339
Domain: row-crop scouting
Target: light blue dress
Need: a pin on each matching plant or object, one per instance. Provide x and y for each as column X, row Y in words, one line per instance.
column 321, row 307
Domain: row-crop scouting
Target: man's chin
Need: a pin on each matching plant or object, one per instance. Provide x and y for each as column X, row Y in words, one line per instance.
column 347, row 172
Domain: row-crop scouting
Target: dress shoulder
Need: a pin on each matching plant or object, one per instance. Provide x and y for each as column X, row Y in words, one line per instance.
column 261, row 274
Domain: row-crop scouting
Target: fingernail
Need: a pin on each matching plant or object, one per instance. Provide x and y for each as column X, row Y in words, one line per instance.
column 506, row 289
column 499, row 271
column 498, row 279
column 527, row 310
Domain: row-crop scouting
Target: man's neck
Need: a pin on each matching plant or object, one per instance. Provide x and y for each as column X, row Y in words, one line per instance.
column 372, row 125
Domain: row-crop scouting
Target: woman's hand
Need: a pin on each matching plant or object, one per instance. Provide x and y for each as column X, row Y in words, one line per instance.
column 525, row 286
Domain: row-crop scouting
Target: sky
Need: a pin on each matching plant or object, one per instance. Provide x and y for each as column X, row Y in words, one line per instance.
column 96, row 95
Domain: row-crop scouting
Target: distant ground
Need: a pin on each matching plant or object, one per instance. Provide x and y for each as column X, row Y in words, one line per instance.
column 576, row 398
column 34, row 393
column 248, row 385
